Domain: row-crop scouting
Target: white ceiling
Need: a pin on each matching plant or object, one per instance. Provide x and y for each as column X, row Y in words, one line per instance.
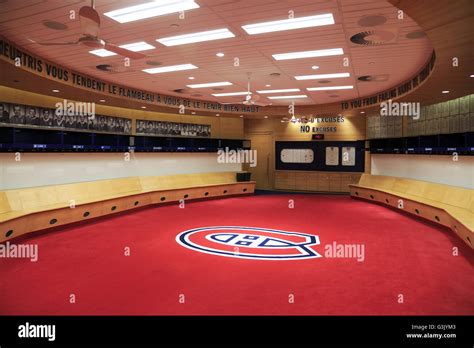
column 21, row 21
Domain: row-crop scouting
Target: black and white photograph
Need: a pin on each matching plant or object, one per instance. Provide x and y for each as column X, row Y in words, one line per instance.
column 17, row 114
column 4, row 113
column 172, row 129
column 32, row 116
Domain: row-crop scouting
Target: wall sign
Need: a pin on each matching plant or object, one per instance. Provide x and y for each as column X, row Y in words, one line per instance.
column 22, row 59
column 395, row 92
column 322, row 124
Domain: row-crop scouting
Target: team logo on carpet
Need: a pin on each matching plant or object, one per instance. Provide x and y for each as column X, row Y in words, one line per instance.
column 250, row 242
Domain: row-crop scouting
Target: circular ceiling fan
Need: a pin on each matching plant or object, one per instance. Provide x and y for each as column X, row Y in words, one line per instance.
column 249, row 98
column 90, row 24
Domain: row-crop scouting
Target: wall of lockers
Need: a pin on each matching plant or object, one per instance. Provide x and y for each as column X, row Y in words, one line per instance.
column 452, row 116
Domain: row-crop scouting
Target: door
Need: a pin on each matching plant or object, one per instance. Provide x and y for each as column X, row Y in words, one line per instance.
column 262, row 173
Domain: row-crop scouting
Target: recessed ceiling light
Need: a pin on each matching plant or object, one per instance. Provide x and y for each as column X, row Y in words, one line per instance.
column 150, row 9
column 165, row 69
column 191, row 77
column 138, row 46
column 309, row 54
column 445, row 92
column 265, row 117
column 241, row 116
column 196, row 37
column 218, row 114
column 322, row 76
column 220, row 54
column 103, row 53
column 268, row 85
column 230, row 94
column 331, row 88
column 134, row 47
column 362, row 112
column 143, row 107
column 269, row 91
column 102, row 100
column 289, row 97
column 55, row 90
column 472, row 75
column 211, row 84
column 289, row 24
column 315, row 67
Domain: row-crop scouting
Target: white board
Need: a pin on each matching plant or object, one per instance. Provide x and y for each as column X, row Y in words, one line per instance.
column 297, row 156
column 348, row 156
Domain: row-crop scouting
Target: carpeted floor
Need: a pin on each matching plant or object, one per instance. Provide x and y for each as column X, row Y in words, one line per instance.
column 408, row 266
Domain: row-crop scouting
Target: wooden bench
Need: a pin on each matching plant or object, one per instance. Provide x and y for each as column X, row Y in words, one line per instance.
column 449, row 206
column 32, row 209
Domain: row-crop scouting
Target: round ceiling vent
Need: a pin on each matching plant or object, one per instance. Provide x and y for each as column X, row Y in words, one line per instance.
column 153, row 63
column 54, row 25
column 104, row 67
column 373, row 37
column 179, row 90
column 373, row 78
column 417, row 34
column 324, row 81
column 372, row 21
column 275, row 74
column 112, row 68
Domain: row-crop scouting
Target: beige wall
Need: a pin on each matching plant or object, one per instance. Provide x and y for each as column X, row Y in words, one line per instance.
column 432, row 168
column 263, row 134
column 39, row 169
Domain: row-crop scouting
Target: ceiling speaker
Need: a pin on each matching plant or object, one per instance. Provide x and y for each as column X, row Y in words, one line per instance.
column 54, row 25
column 374, row 37
column 417, row 34
column 372, row 21
column 373, row 78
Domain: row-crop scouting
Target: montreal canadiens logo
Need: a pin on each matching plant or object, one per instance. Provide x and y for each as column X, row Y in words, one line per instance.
column 250, row 242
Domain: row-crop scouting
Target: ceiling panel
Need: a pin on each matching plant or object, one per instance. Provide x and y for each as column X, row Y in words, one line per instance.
column 22, row 21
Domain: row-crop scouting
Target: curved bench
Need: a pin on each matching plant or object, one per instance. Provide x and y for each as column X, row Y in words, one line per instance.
column 32, row 209
column 449, row 206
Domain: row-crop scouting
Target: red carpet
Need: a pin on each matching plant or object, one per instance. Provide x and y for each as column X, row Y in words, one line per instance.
column 403, row 256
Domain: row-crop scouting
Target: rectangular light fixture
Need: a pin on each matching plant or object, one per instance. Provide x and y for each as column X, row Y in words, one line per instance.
column 138, row 46
column 331, row 88
column 150, row 9
column 289, row 97
column 289, row 24
column 322, row 76
column 196, row 37
column 269, row 91
column 309, row 54
column 211, row 84
column 165, row 69
column 135, row 47
column 230, row 94
column 103, row 53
